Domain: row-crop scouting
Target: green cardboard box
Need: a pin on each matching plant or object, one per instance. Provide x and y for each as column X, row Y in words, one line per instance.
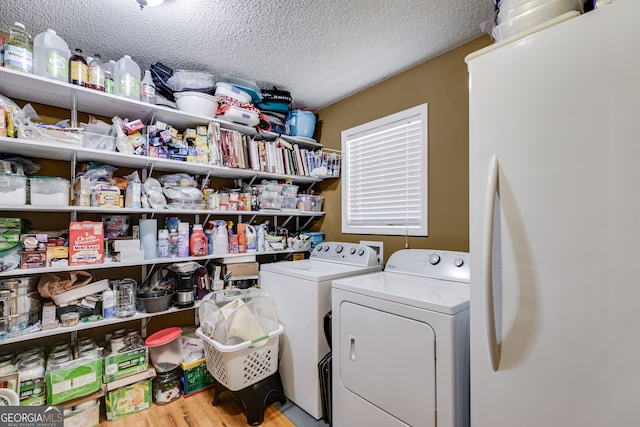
column 11, row 223
column 33, row 392
column 75, row 378
column 128, row 400
column 124, row 364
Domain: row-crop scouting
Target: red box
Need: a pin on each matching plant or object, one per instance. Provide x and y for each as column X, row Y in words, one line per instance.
column 86, row 243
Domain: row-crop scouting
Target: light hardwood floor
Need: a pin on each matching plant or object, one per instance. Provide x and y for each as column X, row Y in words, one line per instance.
column 197, row 411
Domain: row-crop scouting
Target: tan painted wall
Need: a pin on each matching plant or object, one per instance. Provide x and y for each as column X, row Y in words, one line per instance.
column 443, row 84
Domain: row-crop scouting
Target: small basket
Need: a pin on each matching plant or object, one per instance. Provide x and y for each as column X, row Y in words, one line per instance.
column 241, row 365
column 196, row 377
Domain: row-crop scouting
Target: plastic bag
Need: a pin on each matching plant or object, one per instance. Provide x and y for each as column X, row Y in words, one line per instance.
column 187, row 80
column 52, row 284
column 123, row 144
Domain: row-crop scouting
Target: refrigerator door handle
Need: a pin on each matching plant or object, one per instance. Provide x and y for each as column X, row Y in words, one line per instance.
column 492, row 189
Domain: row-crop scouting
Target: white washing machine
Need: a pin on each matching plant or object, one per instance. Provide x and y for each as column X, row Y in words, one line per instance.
column 302, row 290
column 401, row 343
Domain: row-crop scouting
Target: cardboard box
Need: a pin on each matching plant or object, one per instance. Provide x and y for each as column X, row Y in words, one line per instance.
column 56, row 253
column 125, row 364
column 32, row 392
column 243, row 269
column 75, row 379
column 86, row 243
column 13, row 224
column 128, row 400
column 87, row 417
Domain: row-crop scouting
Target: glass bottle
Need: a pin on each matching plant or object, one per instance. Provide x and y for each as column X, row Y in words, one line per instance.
column 166, row 387
column 96, row 74
column 78, row 69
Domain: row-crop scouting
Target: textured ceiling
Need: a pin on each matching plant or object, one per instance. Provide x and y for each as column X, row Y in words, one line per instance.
column 321, row 51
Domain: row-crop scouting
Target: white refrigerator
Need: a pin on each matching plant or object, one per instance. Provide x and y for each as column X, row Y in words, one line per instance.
column 555, row 225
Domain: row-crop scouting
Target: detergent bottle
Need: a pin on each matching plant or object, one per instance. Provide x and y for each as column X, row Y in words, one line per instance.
column 261, row 244
column 221, row 239
column 250, row 236
column 198, row 241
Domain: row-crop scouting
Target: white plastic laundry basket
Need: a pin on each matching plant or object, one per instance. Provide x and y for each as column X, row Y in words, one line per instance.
column 241, row 365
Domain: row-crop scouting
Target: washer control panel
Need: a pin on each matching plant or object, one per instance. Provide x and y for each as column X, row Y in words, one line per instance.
column 346, row 253
column 444, row 265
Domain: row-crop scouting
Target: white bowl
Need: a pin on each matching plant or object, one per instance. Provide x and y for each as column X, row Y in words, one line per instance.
column 531, row 14
column 198, row 103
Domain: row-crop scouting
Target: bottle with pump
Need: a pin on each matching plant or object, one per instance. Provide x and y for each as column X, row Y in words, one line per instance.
column 78, row 69
column 198, row 244
column 148, row 89
column 51, row 56
column 18, row 53
column 127, row 78
column 109, row 71
column 96, row 74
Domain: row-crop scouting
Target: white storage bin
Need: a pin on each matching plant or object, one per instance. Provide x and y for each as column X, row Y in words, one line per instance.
column 13, row 189
column 225, row 89
column 241, row 115
column 49, row 191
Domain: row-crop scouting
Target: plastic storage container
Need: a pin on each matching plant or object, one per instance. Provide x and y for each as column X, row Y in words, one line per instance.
column 225, row 89
column 13, row 189
column 49, row 191
column 197, row 103
column 307, row 202
column 301, row 123
column 127, row 78
column 165, row 349
column 51, row 56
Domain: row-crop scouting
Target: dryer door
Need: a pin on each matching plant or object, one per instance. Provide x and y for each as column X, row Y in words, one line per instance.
column 389, row 361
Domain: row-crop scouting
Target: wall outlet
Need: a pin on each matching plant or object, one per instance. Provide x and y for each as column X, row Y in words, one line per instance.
column 378, row 247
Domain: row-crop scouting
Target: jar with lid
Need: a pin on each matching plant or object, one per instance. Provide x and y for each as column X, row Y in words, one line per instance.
column 116, row 343
column 166, row 386
column 133, row 339
column 58, row 360
column 31, row 369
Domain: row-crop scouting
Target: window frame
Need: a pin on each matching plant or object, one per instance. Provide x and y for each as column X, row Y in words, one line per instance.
column 419, row 112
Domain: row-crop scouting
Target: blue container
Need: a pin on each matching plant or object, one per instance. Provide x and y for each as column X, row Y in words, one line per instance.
column 316, row 237
column 301, row 123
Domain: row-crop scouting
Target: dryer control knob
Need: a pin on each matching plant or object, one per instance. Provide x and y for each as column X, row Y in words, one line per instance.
column 326, row 248
column 352, row 251
column 319, row 248
column 434, row 259
column 458, row 262
column 361, row 252
column 339, row 248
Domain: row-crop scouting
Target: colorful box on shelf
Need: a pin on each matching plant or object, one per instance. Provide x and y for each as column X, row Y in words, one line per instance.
column 73, row 379
column 125, row 364
column 86, row 243
column 128, row 400
column 32, row 392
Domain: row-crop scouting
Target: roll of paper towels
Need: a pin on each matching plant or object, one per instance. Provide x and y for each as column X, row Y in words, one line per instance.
column 149, row 237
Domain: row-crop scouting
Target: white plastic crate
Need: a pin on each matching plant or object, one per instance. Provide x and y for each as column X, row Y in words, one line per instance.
column 241, row 365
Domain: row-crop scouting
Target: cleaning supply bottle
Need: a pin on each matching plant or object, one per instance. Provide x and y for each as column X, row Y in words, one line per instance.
column 242, row 238
column 109, row 75
column 127, row 78
column 163, row 243
column 18, row 53
column 251, row 242
column 96, row 74
column 260, row 238
column 148, row 89
column 198, row 241
column 78, row 69
column 51, row 56
column 221, row 243
column 183, row 239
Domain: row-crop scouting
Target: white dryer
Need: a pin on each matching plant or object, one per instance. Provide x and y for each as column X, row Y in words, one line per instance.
column 401, row 343
column 302, row 291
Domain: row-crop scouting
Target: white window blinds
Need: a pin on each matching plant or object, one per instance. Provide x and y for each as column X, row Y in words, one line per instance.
column 384, row 182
